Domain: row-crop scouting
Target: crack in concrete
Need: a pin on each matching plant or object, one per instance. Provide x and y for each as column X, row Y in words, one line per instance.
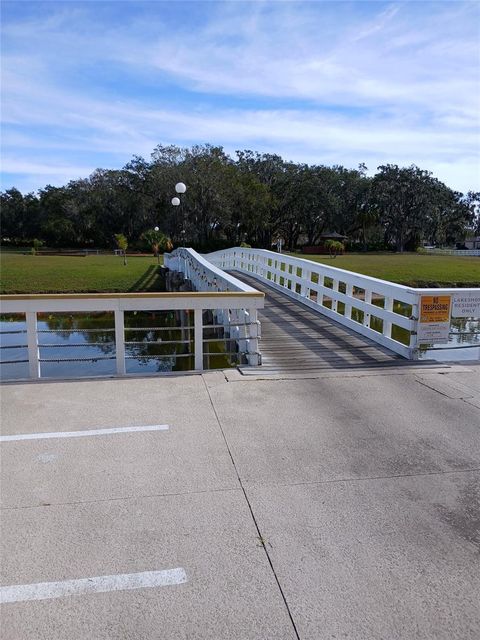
column 367, row 478
column 261, row 537
column 117, row 499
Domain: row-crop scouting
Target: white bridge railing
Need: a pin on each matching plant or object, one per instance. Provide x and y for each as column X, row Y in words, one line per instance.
column 240, row 323
column 385, row 312
column 231, row 304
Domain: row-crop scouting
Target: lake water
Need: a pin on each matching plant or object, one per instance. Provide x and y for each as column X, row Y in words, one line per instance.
column 463, row 343
column 83, row 344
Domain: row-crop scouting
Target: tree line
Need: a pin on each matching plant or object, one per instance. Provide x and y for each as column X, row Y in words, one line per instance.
column 253, row 198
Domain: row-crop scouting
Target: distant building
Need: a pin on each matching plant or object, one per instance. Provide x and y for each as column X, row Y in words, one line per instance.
column 320, row 248
column 473, row 243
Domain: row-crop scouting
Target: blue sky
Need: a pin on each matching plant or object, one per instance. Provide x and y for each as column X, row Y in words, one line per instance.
column 90, row 84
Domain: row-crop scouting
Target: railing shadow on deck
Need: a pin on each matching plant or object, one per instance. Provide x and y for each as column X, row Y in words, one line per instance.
column 415, row 323
column 326, row 329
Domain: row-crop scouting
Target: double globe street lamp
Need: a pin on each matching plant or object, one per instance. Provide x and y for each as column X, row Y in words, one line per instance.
column 180, row 188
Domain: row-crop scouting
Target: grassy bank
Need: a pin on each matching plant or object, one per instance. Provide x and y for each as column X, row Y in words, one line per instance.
column 412, row 269
column 65, row 274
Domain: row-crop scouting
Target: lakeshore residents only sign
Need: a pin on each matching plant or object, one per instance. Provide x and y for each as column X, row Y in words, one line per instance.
column 434, row 324
column 466, row 305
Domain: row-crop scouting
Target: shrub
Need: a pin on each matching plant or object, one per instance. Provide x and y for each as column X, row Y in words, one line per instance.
column 334, row 247
column 36, row 245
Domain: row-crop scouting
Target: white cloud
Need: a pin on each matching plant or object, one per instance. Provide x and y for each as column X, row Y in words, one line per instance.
column 317, row 82
column 124, row 130
column 14, row 165
column 292, row 54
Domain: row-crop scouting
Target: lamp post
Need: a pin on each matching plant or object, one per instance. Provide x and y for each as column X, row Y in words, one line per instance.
column 180, row 188
column 157, row 229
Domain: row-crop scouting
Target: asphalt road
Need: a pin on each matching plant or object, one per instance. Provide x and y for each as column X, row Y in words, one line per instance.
column 343, row 506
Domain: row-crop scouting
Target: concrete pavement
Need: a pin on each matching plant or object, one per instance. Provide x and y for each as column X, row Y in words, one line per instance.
column 344, row 506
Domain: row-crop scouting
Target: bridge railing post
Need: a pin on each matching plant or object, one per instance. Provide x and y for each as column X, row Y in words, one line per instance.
column 198, row 338
column 368, row 300
column 387, row 324
column 252, row 334
column 265, row 267
column 334, row 299
column 120, row 342
column 413, row 335
column 32, row 344
column 348, row 305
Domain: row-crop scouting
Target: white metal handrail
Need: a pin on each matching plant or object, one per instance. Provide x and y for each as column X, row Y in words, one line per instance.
column 237, row 307
column 203, row 275
column 383, row 311
column 241, row 324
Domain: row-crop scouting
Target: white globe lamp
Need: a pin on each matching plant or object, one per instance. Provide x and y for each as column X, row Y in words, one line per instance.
column 156, row 229
column 175, row 202
column 180, row 187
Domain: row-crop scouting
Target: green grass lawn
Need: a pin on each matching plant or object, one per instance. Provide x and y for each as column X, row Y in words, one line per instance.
column 412, row 269
column 65, row 274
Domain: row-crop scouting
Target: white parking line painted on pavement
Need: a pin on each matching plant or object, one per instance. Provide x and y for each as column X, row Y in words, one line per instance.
column 83, row 434
column 98, row 584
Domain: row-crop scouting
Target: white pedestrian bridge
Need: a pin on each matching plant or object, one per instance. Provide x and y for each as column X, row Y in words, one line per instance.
column 277, row 312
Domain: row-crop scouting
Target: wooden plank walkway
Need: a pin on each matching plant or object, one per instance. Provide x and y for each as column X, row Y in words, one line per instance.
column 297, row 339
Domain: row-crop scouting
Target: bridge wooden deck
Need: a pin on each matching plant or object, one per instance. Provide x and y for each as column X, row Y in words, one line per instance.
column 297, row 339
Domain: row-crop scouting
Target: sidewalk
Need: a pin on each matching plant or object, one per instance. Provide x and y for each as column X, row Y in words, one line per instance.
column 344, row 506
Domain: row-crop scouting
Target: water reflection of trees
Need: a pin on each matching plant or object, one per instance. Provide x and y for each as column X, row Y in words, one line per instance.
column 165, row 337
column 96, row 329
column 465, row 331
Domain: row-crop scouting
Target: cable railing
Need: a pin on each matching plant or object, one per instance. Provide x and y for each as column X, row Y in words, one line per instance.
column 215, row 326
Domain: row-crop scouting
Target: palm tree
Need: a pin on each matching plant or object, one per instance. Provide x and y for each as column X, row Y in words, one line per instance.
column 122, row 244
column 158, row 242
